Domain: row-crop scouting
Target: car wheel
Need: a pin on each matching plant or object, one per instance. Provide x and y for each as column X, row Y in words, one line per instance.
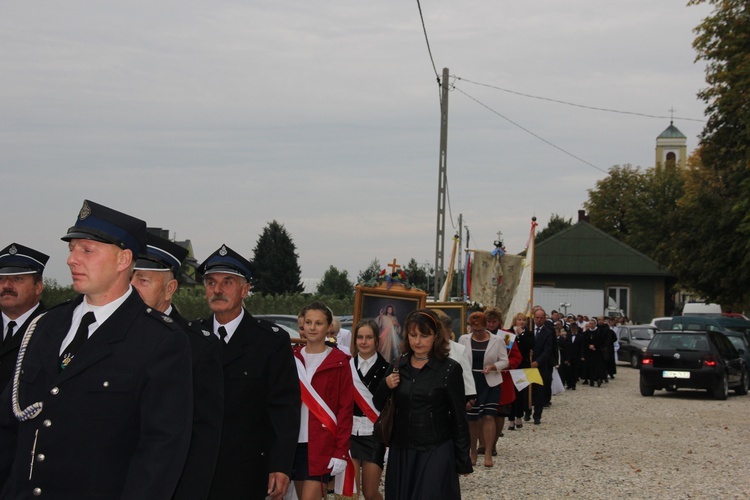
column 635, row 362
column 721, row 391
column 742, row 389
column 646, row 390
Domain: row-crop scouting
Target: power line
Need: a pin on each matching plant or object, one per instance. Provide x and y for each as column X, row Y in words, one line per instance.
column 530, row 132
column 429, row 50
column 578, row 105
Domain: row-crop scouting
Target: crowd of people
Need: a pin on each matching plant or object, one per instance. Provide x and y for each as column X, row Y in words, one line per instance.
column 115, row 395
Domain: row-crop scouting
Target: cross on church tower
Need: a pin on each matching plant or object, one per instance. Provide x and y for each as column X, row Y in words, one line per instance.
column 393, row 266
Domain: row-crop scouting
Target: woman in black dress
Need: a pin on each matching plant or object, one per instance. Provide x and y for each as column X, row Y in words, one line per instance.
column 429, row 445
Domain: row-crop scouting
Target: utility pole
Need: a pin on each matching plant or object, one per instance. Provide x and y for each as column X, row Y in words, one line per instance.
column 442, row 182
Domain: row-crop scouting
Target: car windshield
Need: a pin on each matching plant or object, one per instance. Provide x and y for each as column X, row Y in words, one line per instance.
column 642, row 333
column 679, row 342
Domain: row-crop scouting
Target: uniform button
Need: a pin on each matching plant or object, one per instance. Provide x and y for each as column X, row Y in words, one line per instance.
column 106, row 383
column 47, row 423
column 40, row 457
column 37, row 492
column 55, row 391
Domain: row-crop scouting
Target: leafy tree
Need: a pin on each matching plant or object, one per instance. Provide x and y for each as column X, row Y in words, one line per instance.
column 556, row 224
column 275, row 259
column 710, row 244
column 54, row 293
column 335, row 283
column 370, row 273
column 637, row 206
column 420, row 276
column 612, row 201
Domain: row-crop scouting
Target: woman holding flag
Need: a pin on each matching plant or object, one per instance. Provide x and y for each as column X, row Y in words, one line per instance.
column 368, row 368
column 326, row 411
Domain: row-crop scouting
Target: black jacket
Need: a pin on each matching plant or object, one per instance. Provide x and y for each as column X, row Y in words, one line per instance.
column 9, row 352
column 430, row 408
column 208, row 410
column 372, row 379
column 115, row 423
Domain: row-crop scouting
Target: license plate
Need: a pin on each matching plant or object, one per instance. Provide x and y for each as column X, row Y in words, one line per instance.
column 668, row 374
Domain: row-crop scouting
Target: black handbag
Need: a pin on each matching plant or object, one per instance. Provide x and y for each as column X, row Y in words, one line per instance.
column 383, row 426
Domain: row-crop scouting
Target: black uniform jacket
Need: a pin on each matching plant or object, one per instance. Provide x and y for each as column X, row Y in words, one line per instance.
column 9, row 352
column 430, row 408
column 208, row 410
column 114, row 424
column 261, row 409
column 372, row 380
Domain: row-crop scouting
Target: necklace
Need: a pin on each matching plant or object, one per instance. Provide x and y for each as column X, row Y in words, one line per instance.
column 421, row 359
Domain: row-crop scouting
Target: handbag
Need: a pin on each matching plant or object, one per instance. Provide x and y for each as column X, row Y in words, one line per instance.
column 383, row 426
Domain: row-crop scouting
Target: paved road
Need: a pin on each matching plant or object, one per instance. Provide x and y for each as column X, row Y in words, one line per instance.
column 611, row 442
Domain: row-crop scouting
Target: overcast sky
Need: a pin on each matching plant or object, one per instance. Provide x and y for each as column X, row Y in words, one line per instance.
column 212, row 118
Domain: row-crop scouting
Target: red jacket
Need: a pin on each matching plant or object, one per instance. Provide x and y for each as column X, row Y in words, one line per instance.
column 507, row 392
column 333, row 381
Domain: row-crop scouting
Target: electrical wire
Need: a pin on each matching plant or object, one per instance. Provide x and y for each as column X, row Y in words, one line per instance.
column 608, row 110
column 530, row 132
column 429, row 50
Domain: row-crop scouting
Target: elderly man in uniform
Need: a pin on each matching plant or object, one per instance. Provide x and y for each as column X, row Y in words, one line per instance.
column 261, row 388
column 21, row 288
column 154, row 278
column 101, row 401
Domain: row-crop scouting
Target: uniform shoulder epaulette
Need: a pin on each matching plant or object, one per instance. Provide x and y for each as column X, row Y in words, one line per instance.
column 162, row 318
column 197, row 327
column 269, row 326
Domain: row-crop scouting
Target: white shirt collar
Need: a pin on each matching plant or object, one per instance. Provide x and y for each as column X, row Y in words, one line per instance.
column 230, row 327
column 19, row 320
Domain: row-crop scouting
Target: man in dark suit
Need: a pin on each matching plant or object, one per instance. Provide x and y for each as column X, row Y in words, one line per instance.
column 541, row 358
column 21, row 288
column 570, row 352
column 101, row 399
column 154, row 278
column 261, row 387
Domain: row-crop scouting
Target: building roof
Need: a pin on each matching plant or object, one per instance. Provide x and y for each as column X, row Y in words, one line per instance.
column 671, row 132
column 584, row 249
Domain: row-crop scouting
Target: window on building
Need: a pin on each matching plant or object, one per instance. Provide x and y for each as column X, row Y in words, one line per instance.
column 619, row 298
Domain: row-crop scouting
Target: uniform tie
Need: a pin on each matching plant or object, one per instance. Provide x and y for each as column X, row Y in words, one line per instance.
column 9, row 334
column 222, row 333
column 82, row 334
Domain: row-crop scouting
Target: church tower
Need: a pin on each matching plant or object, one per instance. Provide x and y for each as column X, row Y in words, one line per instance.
column 671, row 148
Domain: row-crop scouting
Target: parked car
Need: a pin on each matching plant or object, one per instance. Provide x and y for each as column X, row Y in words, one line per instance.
column 713, row 323
column 741, row 342
column 701, row 308
column 661, row 323
column 633, row 340
column 692, row 360
column 287, row 321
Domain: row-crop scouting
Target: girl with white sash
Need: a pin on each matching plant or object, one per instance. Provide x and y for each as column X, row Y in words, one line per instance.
column 326, row 410
column 368, row 369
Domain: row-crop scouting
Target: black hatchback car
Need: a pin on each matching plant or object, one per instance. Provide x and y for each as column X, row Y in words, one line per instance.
column 693, row 360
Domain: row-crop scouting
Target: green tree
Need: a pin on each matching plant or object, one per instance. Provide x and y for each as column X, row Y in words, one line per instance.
column 335, row 283
column 637, row 206
column 710, row 243
column 370, row 273
column 275, row 258
column 556, row 224
column 54, row 294
column 419, row 275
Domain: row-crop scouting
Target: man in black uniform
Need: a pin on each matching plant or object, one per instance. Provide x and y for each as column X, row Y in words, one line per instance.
column 154, row 278
column 261, row 388
column 102, row 393
column 21, row 288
